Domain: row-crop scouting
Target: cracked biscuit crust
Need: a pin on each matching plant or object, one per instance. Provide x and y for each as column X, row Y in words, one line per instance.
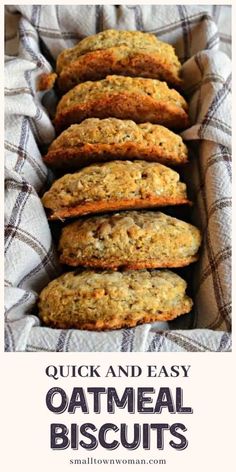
column 122, row 60
column 131, row 240
column 131, row 53
column 111, row 38
column 96, row 140
column 137, row 99
column 113, row 186
column 112, row 300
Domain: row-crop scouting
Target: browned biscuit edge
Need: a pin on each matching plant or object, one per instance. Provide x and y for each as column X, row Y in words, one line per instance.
column 114, row 205
column 124, row 106
column 96, row 65
column 128, row 265
column 76, row 157
column 126, row 323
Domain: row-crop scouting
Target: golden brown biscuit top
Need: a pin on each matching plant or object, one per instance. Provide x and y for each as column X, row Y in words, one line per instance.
column 116, row 179
column 161, row 286
column 111, row 300
column 119, row 84
column 115, row 131
column 156, row 234
column 128, row 225
column 116, row 38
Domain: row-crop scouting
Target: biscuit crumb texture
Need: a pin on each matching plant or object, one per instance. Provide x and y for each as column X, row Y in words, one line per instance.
column 138, row 99
column 112, row 300
column 96, row 140
column 111, row 38
column 130, row 240
column 46, row 81
column 131, row 53
column 112, row 186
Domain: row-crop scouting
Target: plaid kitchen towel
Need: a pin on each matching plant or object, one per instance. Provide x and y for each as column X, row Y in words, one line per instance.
column 35, row 34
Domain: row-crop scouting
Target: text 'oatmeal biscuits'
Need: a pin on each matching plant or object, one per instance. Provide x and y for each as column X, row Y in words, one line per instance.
column 111, row 300
column 96, row 140
column 131, row 53
column 131, row 240
column 114, row 186
column 137, row 99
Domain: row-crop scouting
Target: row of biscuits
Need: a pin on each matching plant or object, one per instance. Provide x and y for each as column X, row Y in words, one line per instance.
column 115, row 143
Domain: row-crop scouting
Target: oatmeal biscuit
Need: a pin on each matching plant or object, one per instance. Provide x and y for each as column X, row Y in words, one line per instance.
column 113, row 38
column 131, row 240
column 137, row 99
column 112, row 300
column 131, row 53
column 121, row 60
column 113, row 186
column 96, row 140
